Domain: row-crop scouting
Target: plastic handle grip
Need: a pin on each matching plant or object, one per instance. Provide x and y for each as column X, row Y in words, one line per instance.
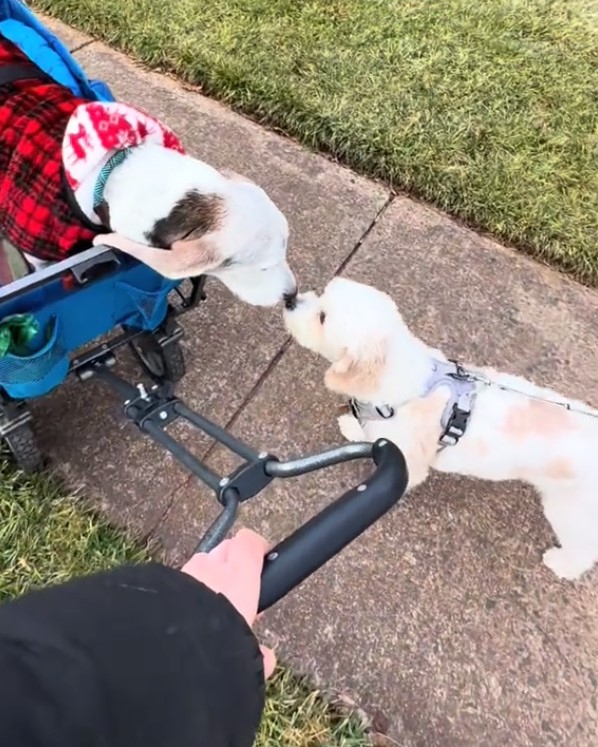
column 327, row 533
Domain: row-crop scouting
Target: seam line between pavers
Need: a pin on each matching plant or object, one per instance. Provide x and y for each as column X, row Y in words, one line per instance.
column 377, row 218
column 287, row 342
column 208, row 452
column 265, row 374
column 83, row 45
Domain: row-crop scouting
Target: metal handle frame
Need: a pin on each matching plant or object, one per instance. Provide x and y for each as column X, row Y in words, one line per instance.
column 310, row 546
column 154, row 410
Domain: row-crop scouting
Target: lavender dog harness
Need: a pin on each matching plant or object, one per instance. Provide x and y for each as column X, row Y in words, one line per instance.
column 463, row 389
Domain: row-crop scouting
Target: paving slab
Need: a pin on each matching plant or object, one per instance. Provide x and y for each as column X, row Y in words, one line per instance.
column 70, row 37
column 441, row 620
column 228, row 344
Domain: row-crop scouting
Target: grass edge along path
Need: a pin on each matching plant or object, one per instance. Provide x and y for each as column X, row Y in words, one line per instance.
column 48, row 536
column 486, row 110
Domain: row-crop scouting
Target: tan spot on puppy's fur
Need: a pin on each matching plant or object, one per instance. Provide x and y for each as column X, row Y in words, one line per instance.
column 419, row 442
column 560, row 469
column 427, row 411
column 478, row 446
column 533, row 418
column 356, row 378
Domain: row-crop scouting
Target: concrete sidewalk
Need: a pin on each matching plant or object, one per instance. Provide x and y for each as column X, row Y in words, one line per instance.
column 441, row 621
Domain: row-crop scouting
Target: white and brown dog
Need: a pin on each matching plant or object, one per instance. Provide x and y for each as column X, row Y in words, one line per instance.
column 214, row 222
column 74, row 170
column 467, row 420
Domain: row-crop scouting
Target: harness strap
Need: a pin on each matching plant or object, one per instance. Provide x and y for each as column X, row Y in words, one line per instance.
column 463, row 392
column 455, row 417
column 368, row 411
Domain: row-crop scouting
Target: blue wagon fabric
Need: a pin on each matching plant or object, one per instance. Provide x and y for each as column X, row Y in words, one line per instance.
column 23, row 28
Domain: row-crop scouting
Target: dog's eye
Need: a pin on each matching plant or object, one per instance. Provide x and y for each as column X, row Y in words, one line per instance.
column 322, row 317
column 187, row 235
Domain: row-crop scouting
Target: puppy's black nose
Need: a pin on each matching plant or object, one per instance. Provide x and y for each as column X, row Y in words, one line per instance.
column 290, row 300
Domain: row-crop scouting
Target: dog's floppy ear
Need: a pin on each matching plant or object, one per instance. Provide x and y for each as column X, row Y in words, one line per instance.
column 185, row 247
column 184, row 260
column 358, row 375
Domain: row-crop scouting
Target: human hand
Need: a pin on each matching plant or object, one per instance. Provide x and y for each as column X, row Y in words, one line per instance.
column 234, row 569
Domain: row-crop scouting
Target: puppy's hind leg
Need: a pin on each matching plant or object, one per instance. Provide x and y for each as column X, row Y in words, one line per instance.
column 573, row 516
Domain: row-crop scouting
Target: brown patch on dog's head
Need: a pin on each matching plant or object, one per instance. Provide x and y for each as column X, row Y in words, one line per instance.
column 193, row 216
column 357, row 377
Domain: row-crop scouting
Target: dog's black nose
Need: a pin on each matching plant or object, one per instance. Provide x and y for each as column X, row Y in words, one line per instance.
column 290, row 300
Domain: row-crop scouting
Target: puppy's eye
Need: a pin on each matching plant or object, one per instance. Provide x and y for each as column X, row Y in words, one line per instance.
column 322, row 317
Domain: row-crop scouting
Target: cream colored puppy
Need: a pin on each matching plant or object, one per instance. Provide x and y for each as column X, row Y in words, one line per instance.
column 470, row 421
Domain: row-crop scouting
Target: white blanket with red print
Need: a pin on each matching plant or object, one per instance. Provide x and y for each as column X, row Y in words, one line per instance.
column 95, row 132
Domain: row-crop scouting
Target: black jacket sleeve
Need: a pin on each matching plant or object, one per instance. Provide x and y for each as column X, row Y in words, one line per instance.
column 142, row 656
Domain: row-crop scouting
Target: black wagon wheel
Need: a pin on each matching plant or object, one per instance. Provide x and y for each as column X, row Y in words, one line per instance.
column 24, row 450
column 161, row 362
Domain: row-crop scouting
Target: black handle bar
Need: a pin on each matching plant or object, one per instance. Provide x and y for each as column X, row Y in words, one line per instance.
column 327, row 533
column 311, row 545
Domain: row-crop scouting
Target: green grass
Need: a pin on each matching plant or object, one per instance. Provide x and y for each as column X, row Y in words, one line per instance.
column 47, row 537
column 488, row 110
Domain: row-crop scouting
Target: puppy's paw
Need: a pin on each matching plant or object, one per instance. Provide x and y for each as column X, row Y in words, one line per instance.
column 565, row 564
column 350, row 428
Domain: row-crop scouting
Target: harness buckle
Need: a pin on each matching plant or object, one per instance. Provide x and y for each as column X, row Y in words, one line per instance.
column 457, row 422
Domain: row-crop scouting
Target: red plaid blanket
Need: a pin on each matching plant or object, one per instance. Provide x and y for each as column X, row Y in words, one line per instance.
column 35, row 214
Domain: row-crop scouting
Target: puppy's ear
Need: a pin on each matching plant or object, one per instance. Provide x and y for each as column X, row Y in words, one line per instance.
column 357, row 375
